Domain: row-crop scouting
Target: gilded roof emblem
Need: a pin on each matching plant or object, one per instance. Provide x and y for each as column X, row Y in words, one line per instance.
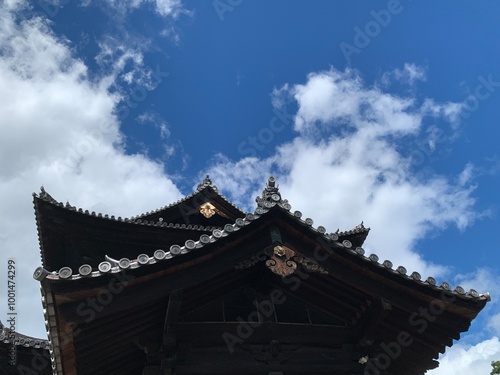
column 208, row 210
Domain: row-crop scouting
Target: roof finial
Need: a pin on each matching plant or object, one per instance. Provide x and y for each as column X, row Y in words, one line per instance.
column 206, row 182
column 271, row 182
column 46, row 196
column 270, row 192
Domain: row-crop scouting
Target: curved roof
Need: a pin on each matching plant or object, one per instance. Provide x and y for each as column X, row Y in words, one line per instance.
column 70, row 232
column 206, row 190
column 208, row 261
column 20, row 339
column 270, row 201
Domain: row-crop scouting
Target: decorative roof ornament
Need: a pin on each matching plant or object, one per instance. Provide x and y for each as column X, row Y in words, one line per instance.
column 281, row 262
column 208, row 210
column 46, row 196
column 206, row 182
column 270, row 193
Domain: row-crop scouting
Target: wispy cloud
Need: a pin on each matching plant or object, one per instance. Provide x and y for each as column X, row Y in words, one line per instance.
column 350, row 162
column 164, row 8
column 464, row 359
column 155, row 119
column 410, row 74
column 349, row 157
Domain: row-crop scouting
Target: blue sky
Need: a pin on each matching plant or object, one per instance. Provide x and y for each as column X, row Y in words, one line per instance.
column 381, row 111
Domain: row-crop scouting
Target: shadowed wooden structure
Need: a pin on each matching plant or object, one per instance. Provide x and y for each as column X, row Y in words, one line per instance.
column 202, row 287
column 21, row 354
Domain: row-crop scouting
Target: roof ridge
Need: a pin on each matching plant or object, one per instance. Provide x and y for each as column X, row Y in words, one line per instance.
column 206, row 183
column 357, row 229
column 132, row 220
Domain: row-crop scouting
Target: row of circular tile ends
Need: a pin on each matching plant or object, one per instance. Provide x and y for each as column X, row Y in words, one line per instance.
column 414, row 275
column 387, row 263
column 111, row 265
column 44, row 344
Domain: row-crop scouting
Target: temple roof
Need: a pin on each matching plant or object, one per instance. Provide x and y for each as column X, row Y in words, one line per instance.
column 350, row 240
column 32, row 354
column 205, row 192
column 21, row 340
column 70, row 232
column 167, row 271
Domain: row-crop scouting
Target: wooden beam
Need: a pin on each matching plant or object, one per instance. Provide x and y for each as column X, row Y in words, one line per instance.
column 374, row 317
column 169, row 344
column 173, row 310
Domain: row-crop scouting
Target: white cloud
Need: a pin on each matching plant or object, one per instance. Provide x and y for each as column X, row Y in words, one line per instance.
column 156, row 120
column 59, row 129
column 122, row 59
column 463, row 359
column 410, row 74
column 356, row 169
column 336, row 98
column 450, row 111
column 347, row 164
column 168, row 8
column 164, row 8
column 243, row 179
column 484, row 280
column 494, row 324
